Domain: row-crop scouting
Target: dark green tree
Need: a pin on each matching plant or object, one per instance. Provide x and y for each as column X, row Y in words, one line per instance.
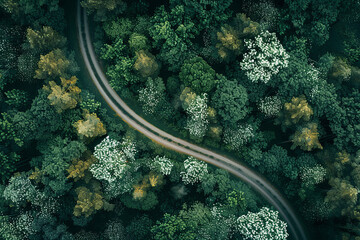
column 198, row 75
column 230, row 101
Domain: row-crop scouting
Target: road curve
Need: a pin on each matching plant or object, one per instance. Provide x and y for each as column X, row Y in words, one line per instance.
column 260, row 184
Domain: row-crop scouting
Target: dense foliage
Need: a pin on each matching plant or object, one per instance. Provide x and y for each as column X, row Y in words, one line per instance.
column 275, row 84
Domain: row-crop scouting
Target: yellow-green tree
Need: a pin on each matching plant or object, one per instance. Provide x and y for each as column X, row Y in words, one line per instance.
column 186, row 97
column 140, row 190
column 342, row 196
column 53, row 64
column 306, row 138
column 295, row 111
column 79, row 168
column 87, row 202
column 65, row 96
column 45, row 39
column 245, row 26
column 90, row 127
column 229, row 41
column 145, row 63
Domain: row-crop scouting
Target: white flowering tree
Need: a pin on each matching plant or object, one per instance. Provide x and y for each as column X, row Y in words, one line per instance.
column 313, row 175
column 195, row 170
column 266, row 56
column 263, row 225
column 114, row 159
column 270, row 106
column 151, row 95
column 162, row 165
column 197, row 121
column 235, row 138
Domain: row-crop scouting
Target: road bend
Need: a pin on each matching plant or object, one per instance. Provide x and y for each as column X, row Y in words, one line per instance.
column 255, row 180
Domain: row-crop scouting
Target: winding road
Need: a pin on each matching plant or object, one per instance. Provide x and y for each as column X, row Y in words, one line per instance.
column 257, row 182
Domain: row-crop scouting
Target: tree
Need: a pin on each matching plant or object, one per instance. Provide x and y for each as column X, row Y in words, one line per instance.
column 102, row 7
column 230, row 100
column 195, row 170
column 36, row 13
column 20, row 190
column 161, row 165
column 140, row 227
column 313, row 175
column 115, row 231
column 45, row 39
column 87, row 202
column 114, row 159
column 185, row 225
column 230, row 42
column 270, row 106
column 152, row 96
column 7, row 131
column 138, row 42
column 306, row 138
column 342, row 196
column 26, row 65
column 57, row 155
column 79, row 168
column 90, row 127
column 88, row 101
column 8, row 165
column 197, row 121
column 239, row 136
column 186, row 97
column 198, row 75
column 205, row 14
column 262, row 225
column 16, row 98
column 145, row 63
column 169, row 228
column 265, row 58
column 296, row 111
column 172, row 33
column 54, row 64
column 120, row 70
column 340, row 70
column 65, row 96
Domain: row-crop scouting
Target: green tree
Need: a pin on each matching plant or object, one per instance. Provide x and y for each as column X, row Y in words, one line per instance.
column 54, row 64
column 169, row 228
column 7, row 131
column 138, row 42
column 16, row 98
column 36, row 13
column 230, row 100
column 103, row 7
column 121, row 68
column 57, row 155
column 205, row 14
column 198, row 75
column 172, row 33
column 8, row 165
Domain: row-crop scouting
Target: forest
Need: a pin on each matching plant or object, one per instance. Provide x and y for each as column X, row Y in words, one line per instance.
column 272, row 84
